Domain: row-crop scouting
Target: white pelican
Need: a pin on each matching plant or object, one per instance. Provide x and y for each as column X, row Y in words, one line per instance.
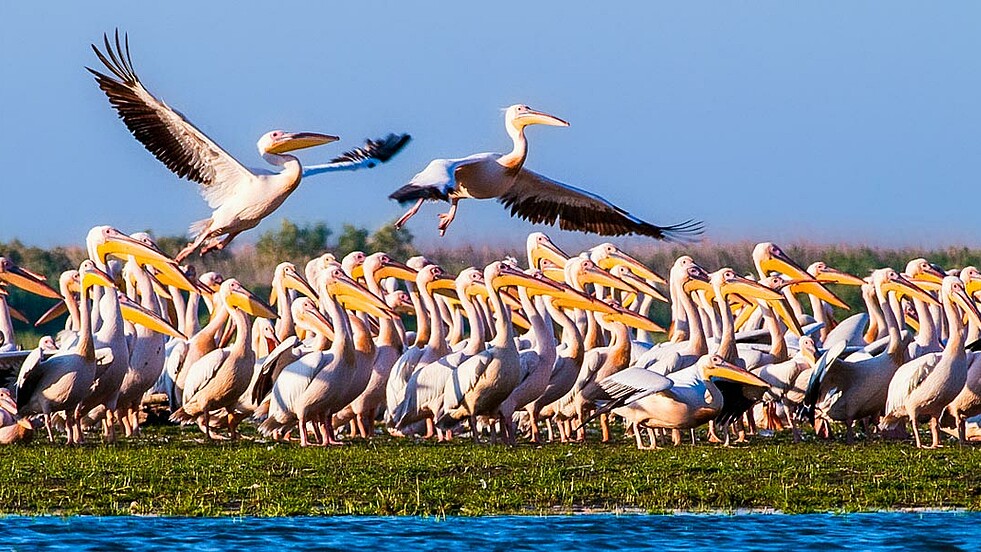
column 220, row 377
column 389, row 346
column 483, row 381
column 318, row 384
column 923, row 387
column 852, row 390
column 692, row 398
column 240, row 197
column 54, row 383
column 528, row 195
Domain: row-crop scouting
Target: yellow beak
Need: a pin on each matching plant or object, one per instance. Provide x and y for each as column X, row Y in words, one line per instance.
column 532, row 117
column 721, row 369
column 607, row 262
column 352, row 296
column 292, row 141
column 748, row 288
column 394, row 269
column 784, row 265
column 300, row 284
column 902, row 286
column 634, row 320
column 817, row 289
column 248, row 302
column 548, row 251
column 26, row 280
column 834, row 276
column 137, row 314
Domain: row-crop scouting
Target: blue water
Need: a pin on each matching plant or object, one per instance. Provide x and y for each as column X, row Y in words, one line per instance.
column 874, row 531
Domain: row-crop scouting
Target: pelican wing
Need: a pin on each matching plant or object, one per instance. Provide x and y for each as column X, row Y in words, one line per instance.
column 542, row 200
column 170, row 137
column 437, row 180
column 279, row 358
column 368, row 156
column 202, row 372
column 907, row 378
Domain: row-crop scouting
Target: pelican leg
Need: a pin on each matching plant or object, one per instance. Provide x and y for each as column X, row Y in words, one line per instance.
column 47, row 426
column 961, row 428
column 446, row 218
column 935, row 432
column 473, row 428
column 409, row 214
column 605, row 428
column 916, row 431
column 849, row 431
column 637, row 439
column 652, row 435
column 192, row 246
column 535, row 432
column 302, row 425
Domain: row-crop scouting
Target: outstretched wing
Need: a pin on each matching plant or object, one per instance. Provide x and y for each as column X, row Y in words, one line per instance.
column 542, row 200
column 163, row 131
column 368, row 156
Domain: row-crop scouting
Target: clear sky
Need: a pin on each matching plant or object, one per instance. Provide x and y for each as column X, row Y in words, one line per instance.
column 825, row 121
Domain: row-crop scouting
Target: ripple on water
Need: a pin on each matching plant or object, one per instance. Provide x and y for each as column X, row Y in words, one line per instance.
column 871, row 531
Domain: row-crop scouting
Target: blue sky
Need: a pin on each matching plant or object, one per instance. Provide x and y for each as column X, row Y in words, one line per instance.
column 845, row 121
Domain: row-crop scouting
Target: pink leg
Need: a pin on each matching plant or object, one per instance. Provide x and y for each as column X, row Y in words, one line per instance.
column 409, row 214
column 446, row 218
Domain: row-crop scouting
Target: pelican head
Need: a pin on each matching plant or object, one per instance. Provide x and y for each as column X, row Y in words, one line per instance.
column 827, row 275
column 954, row 288
column 972, row 280
column 235, row 295
column 887, row 279
column 381, row 265
column 714, row 366
column 607, row 255
column 519, row 116
column 353, row 264
column 768, row 257
column 539, row 247
column 280, row 141
column 925, row 274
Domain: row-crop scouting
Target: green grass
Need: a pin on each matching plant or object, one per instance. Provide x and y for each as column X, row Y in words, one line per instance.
column 170, row 472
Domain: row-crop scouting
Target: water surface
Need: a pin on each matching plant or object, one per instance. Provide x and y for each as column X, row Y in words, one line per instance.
column 871, row 531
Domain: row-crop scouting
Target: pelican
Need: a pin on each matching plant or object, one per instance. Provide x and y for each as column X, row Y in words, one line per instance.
column 240, row 197
column 483, row 381
column 389, row 346
column 54, row 383
column 924, row 386
column 220, row 377
column 319, row 383
column 968, row 401
column 852, row 390
column 528, row 195
column 689, row 399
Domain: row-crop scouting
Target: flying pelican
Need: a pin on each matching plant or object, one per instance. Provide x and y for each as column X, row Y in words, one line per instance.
column 924, row 386
column 528, row 195
column 240, row 197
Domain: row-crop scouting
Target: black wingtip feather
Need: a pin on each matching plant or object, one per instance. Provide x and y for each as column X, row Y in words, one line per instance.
column 410, row 193
column 379, row 150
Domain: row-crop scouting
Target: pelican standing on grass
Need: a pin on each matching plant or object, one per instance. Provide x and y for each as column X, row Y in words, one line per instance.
column 240, row 197
column 528, row 195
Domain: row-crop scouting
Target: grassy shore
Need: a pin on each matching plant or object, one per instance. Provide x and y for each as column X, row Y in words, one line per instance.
column 171, row 472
